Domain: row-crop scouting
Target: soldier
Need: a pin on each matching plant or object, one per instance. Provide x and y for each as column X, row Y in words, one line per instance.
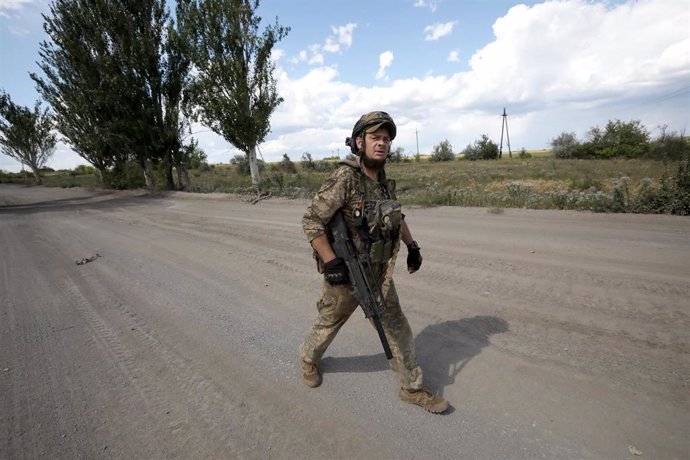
column 352, row 184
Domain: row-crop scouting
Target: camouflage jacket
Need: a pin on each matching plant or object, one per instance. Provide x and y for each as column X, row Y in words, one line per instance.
column 342, row 190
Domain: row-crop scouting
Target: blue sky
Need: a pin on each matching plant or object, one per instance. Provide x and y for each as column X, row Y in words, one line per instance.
column 443, row 69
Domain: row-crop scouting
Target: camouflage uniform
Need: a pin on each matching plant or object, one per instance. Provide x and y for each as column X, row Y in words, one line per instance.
column 343, row 189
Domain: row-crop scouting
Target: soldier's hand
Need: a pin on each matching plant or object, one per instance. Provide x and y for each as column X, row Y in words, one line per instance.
column 414, row 257
column 335, row 272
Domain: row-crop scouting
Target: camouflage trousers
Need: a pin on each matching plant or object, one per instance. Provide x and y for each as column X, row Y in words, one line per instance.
column 336, row 305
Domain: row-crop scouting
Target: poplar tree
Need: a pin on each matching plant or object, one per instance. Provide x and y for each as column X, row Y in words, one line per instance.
column 233, row 91
column 26, row 135
column 114, row 79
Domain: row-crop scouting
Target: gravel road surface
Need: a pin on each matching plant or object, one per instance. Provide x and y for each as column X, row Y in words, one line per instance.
column 553, row 334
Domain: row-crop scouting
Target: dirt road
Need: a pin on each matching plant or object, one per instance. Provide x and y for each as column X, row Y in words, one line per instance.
column 553, row 334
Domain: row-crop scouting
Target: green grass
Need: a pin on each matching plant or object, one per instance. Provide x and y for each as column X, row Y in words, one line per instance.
column 539, row 182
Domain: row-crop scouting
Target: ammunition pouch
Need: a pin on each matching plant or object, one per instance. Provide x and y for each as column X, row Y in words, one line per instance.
column 379, row 225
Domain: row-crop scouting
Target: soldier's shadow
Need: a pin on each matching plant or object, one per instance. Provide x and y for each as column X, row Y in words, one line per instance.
column 443, row 349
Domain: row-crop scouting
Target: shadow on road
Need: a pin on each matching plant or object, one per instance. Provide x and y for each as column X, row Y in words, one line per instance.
column 443, row 349
column 102, row 200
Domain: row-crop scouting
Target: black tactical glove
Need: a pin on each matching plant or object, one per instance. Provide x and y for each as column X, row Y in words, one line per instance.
column 335, row 272
column 414, row 257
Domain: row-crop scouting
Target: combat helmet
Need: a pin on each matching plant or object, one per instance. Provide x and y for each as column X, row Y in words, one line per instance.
column 370, row 122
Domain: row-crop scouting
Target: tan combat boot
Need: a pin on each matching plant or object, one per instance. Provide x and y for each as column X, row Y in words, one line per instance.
column 424, row 398
column 310, row 374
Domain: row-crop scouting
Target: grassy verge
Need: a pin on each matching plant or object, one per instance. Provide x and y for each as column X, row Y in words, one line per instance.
column 539, row 182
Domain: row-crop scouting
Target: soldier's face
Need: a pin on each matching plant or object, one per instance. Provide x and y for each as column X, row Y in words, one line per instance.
column 376, row 147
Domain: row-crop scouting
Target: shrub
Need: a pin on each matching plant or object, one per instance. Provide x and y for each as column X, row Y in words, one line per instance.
column 397, row 155
column 564, row 146
column 287, row 165
column 128, row 176
column 83, row 169
column 442, row 152
column 618, row 139
column 669, row 146
column 482, row 149
column 524, row 154
column 307, row 162
column 325, row 166
column 241, row 163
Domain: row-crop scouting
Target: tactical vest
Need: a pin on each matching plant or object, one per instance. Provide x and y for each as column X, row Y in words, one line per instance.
column 378, row 221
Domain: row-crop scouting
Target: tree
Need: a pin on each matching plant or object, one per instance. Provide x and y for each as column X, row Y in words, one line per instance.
column 287, row 165
column 233, row 91
column 669, row 145
column 307, row 162
column 26, row 135
column 398, row 155
column 114, row 82
column 565, row 145
column 241, row 163
column 189, row 156
column 442, row 152
column 618, row 139
column 482, row 149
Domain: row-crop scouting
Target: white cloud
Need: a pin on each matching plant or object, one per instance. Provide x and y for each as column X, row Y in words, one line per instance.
column 344, row 33
column 14, row 4
column 555, row 66
column 565, row 50
column 438, row 30
column 341, row 38
column 453, row 56
column 422, row 4
column 385, row 61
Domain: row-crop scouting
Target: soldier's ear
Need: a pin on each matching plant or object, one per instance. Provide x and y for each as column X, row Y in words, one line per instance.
column 359, row 142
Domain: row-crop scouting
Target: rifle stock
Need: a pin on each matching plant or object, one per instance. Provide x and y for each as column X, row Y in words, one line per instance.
column 363, row 285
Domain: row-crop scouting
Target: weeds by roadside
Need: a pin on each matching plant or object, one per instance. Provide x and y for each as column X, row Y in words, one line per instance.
column 618, row 185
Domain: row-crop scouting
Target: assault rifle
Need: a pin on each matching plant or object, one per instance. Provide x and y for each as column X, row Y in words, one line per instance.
column 363, row 285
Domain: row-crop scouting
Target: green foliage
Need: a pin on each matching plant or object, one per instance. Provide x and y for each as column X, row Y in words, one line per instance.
column 442, row 151
column 192, row 156
column 129, row 175
column 233, row 91
column 669, row 146
column 325, row 166
column 241, row 163
column 398, row 155
column 618, row 139
column 524, row 154
column 26, row 135
column 82, row 170
column 287, row 165
column 565, row 145
column 307, row 162
column 482, row 149
column 113, row 74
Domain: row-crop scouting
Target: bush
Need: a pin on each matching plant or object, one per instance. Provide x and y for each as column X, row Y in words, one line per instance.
column 82, row 170
column 442, row 152
column 564, row 146
column 325, row 166
column 307, row 162
column 128, row 176
column 397, row 155
column 287, row 165
column 241, row 163
column 619, row 139
column 524, row 154
column 669, row 146
column 482, row 149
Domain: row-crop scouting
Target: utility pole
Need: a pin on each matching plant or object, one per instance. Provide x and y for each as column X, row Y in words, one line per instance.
column 504, row 124
column 416, row 135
